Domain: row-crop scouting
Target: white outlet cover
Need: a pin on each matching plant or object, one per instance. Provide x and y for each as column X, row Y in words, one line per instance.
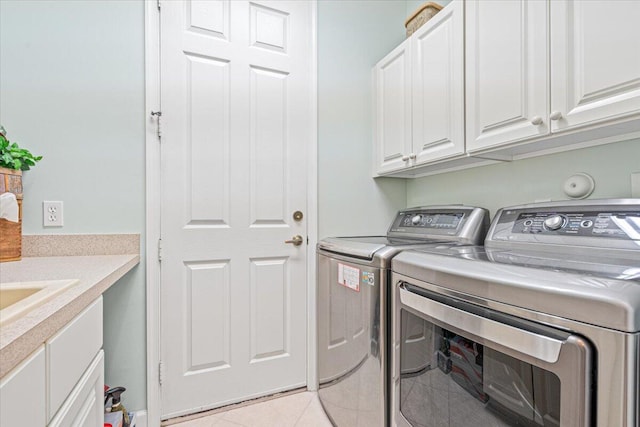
column 52, row 214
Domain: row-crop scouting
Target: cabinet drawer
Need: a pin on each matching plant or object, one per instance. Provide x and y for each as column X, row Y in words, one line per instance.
column 70, row 352
column 22, row 393
column 85, row 406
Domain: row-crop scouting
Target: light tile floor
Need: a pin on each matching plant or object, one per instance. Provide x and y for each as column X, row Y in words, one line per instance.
column 296, row 410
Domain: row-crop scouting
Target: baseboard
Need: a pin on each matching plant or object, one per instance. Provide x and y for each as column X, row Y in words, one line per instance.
column 141, row 418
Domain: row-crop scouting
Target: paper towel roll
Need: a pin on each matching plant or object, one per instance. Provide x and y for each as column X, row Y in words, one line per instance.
column 9, row 207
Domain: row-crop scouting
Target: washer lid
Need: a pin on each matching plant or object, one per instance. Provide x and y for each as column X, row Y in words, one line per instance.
column 364, row 247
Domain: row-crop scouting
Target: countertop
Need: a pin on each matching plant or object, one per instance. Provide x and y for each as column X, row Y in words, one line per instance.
column 96, row 273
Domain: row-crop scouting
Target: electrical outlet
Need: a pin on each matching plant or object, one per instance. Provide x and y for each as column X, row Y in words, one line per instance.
column 52, row 214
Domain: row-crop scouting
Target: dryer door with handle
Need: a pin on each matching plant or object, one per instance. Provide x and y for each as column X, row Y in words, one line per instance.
column 483, row 365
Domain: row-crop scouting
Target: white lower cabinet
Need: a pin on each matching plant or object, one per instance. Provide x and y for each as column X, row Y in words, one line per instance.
column 85, row 404
column 23, row 393
column 62, row 383
column 70, row 352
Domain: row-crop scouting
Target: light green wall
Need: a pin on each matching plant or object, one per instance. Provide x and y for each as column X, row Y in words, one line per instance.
column 72, row 90
column 529, row 180
column 413, row 5
column 352, row 37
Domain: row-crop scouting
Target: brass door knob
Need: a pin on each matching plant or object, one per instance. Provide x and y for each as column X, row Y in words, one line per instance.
column 296, row 240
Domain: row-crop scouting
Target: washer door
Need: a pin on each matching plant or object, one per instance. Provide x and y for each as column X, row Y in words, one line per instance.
column 351, row 342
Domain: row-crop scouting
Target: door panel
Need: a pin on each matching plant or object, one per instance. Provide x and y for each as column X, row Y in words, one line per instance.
column 595, row 62
column 236, row 102
column 506, row 63
column 207, row 310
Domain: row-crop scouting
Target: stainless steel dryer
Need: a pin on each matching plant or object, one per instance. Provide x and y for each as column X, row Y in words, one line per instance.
column 541, row 327
column 352, row 307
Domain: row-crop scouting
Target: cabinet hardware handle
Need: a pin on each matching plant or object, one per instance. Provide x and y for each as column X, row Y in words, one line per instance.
column 412, row 156
column 405, row 158
column 556, row 115
column 536, row 120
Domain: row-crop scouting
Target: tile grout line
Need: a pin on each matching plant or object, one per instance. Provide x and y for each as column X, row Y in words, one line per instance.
column 304, row 410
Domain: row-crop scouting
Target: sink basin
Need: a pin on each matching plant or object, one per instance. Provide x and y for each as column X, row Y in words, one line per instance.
column 18, row 298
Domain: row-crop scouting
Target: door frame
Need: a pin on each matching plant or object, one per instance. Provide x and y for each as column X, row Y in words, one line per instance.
column 153, row 204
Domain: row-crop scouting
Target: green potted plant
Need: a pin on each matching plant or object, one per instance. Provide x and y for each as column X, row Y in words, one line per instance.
column 13, row 160
column 13, row 157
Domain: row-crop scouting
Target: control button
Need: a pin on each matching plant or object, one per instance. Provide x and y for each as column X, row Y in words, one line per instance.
column 586, row 223
column 528, row 223
column 555, row 222
column 416, row 219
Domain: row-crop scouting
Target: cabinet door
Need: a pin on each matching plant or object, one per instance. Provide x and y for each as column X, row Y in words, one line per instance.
column 595, row 62
column 392, row 80
column 22, row 393
column 70, row 352
column 506, row 62
column 85, row 405
column 438, row 86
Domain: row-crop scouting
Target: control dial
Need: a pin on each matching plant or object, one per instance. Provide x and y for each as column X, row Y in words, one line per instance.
column 416, row 219
column 555, row 222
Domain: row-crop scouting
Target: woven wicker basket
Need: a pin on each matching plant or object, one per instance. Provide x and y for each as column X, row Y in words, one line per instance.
column 11, row 232
column 421, row 16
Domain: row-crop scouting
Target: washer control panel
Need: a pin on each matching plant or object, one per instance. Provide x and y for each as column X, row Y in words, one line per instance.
column 590, row 223
column 447, row 223
column 429, row 220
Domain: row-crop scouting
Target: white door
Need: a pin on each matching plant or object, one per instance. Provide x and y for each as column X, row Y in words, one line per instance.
column 392, row 80
column 236, row 102
column 438, row 85
column 506, row 62
column 595, row 62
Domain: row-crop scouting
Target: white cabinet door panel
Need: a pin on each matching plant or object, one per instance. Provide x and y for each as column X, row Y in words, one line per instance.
column 23, row 393
column 506, row 64
column 595, row 61
column 85, row 405
column 393, row 109
column 70, row 352
column 438, row 86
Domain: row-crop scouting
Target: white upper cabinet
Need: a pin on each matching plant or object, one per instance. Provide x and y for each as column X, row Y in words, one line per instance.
column 507, row 84
column 494, row 80
column 392, row 81
column 538, row 69
column 438, row 86
column 419, row 93
column 595, row 62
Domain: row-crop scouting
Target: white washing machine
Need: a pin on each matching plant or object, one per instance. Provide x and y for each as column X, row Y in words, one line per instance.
column 353, row 275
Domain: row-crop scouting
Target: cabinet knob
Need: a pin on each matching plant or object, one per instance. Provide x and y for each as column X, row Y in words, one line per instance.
column 412, row 156
column 536, row 120
column 405, row 158
column 556, row 115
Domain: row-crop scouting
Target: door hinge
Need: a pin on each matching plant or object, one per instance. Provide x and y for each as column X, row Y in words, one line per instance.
column 160, row 372
column 160, row 250
column 158, row 114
